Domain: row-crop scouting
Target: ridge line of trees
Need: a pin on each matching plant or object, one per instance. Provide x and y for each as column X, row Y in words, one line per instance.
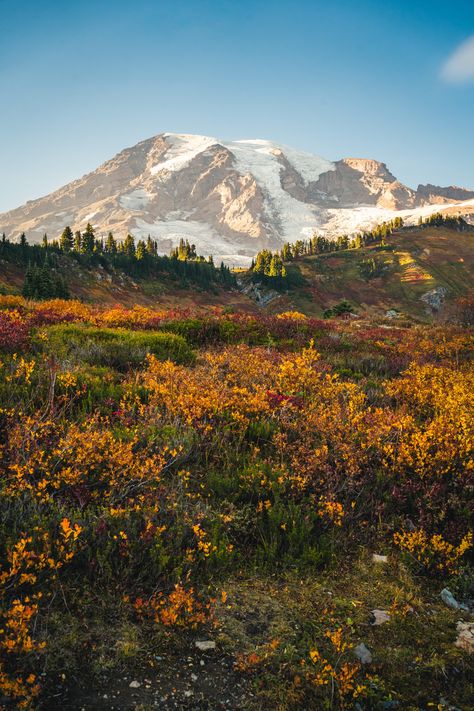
column 139, row 260
column 270, row 268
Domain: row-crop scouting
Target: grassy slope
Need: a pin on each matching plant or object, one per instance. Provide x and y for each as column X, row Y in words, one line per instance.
column 418, row 261
column 415, row 262
column 93, row 286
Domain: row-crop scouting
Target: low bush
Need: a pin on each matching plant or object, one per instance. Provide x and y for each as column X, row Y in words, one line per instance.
column 118, row 348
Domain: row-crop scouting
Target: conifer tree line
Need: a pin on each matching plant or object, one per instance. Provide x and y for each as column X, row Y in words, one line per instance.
column 270, row 266
column 44, row 283
column 137, row 259
column 438, row 219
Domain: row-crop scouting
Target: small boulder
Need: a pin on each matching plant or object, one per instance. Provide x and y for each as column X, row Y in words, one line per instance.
column 205, row 645
column 465, row 638
column 134, row 685
column 379, row 558
column 434, row 298
column 363, row 654
column 379, row 617
column 449, row 599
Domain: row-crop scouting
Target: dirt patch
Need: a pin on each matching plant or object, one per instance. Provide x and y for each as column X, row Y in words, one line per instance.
column 199, row 681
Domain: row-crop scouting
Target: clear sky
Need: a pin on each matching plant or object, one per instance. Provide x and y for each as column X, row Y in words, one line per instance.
column 82, row 79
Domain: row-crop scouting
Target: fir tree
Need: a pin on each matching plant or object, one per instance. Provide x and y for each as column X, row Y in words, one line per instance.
column 77, row 241
column 110, row 244
column 129, row 246
column 88, row 239
column 66, row 241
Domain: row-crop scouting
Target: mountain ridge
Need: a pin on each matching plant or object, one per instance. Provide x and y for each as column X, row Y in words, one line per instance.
column 230, row 198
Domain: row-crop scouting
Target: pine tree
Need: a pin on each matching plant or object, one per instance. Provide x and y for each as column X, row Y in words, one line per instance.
column 66, row 241
column 77, row 241
column 129, row 246
column 46, row 286
column 28, row 284
column 140, row 250
column 151, row 246
column 110, row 244
column 88, row 239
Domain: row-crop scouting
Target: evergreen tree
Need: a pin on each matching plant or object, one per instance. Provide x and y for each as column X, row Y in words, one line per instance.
column 28, row 284
column 110, row 244
column 129, row 246
column 77, row 241
column 140, row 251
column 151, row 247
column 66, row 241
column 88, row 239
column 46, row 285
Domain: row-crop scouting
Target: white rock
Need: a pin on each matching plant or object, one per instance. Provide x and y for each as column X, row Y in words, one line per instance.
column 379, row 558
column 134, row 685
column 363, row 654
column 465, row 638
column 205, row 645
column 449, row 599
column 380, row 616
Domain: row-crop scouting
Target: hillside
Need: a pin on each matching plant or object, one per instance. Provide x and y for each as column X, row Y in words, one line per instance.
column 230, row 198
column 375, row 279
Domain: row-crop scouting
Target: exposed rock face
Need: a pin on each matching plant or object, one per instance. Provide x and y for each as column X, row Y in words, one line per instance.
column 230, row 199
column 465, row 639
column 433, row 193
column 435, row 298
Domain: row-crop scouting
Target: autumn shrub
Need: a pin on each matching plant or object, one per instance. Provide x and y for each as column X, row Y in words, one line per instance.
column 14, row 332
column 132, row 467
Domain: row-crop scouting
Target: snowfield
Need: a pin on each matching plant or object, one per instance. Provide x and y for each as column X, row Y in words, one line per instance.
column 228, row 208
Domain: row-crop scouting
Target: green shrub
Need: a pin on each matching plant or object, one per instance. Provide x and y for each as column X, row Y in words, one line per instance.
column 118, row 348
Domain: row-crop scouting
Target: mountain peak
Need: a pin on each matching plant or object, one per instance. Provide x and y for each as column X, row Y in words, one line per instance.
column 230, row 198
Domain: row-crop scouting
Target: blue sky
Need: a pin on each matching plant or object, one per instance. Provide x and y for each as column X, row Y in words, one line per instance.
column 82, row 79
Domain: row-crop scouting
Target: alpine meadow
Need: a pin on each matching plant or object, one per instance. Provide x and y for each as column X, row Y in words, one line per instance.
column 236, row 377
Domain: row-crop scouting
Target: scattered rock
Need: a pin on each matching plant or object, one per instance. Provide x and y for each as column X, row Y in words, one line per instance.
column 379, row 558
column 258, row 293
column 391, row 313
column 205, row 645
column 449, row 599
column 379, row 617
column 465, row 638
column 363, row 654
column 134, row 685
column 435, row 297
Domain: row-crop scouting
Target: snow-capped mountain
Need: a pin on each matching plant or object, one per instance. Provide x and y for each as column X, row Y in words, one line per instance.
column 229, row 198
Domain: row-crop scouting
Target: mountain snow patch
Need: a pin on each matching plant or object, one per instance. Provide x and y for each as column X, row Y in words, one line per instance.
column 136, row 200
column 183, row 148
column 260, row 159
column 207, row 240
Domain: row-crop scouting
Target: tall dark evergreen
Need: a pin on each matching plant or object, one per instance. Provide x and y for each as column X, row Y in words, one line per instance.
column 66, row 241
column 77, row 241
column 88, row 239
column 110, row 244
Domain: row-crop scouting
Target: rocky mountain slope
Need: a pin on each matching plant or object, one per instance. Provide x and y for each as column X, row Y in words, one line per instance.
column 231, row 199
